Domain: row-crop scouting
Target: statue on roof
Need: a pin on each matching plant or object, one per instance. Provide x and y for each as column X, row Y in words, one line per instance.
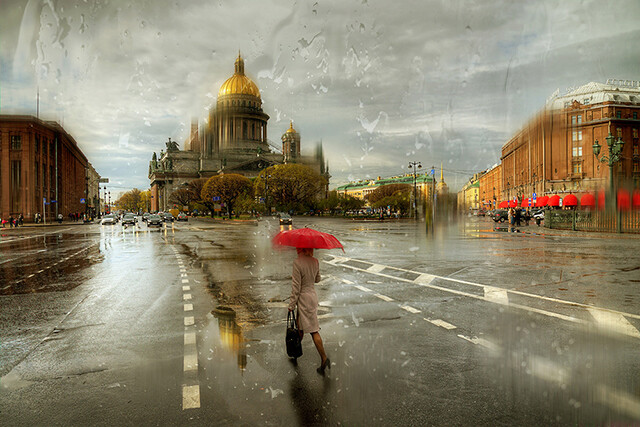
column 172, row 146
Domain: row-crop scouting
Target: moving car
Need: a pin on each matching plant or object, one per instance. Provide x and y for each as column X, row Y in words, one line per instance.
column 500, row 215
column 129, row 219
column 167, row 217
column 145, row 216
column 154, row 220
column 182, row 217
column 108, row 220
column 285, row 219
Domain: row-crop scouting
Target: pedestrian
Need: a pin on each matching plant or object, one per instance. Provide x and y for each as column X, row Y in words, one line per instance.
column 59, row 218
column 306, row 272
column 518, row 217
column 11, row 221
column 21, row 219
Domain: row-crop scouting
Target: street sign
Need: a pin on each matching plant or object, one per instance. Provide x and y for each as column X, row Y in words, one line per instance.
column 54, row 201
column 83, row 201
column 216, row 198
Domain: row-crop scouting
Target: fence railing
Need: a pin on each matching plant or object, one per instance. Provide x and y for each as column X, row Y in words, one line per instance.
column 577, row 220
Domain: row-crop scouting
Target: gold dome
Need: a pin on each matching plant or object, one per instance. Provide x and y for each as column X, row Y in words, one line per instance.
column 291, row 129
column 239, row 84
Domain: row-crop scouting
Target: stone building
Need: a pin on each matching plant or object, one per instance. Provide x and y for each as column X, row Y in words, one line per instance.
column 553, row 152
column 425, row 185
column 233, row 140
column 42, row 169
column 490, row 187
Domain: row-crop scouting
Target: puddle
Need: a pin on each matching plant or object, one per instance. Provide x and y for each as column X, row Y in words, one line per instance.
column 13, row 381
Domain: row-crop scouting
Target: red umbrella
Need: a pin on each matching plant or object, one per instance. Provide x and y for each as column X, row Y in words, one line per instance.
column 525, row 203
column 570, row 200
column 513, row 203
column 554, row 200
column 503, row 205
column 307, row 238
column 635, row 199
column 587, row 200
column 624, row 200
column 542, row 201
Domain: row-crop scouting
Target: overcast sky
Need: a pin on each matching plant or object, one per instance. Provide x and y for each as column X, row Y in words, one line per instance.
column 379, row 82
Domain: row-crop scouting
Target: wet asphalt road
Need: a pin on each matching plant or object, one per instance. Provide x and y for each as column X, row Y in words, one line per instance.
column 185, row 325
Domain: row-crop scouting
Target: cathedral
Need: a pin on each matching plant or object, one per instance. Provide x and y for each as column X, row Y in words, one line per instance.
column 233, row 140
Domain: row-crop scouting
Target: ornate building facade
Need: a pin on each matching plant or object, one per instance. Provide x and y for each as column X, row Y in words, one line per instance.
column 234, row 140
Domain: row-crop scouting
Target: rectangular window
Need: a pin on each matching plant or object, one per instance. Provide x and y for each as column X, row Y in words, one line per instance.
column 577, row 151
column 16, row 142
column 618, row 114
column 619, row 130
column 574, row 136
column 579, row 119
column 573, row 120
column 636, row 166
column 16, row 183
column 577, row 168
column 635, row 133
column 635, row 115
column 587, row 101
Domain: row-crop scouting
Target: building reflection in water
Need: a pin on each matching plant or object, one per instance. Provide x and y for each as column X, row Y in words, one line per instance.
column 231, row 334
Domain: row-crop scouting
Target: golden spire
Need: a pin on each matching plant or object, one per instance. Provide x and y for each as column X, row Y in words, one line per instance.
column 441, row 173
column 239, row 64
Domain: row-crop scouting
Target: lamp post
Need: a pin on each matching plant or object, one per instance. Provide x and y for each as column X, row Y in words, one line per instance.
column 415, row 165
column 266, row 190
column 615, row 156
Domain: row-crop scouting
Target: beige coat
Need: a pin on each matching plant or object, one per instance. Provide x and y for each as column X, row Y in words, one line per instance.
column 306, row 272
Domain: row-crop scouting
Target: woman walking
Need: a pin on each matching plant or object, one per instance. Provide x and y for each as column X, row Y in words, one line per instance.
column 306, row 272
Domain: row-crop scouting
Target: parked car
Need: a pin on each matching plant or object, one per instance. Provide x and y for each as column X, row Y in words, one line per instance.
column 108, row 220
column 182, row 217
column 145, row 216
column 285, row 219
column 500, row 215
column 154, row 220
column 129, row 219
column 167, row 217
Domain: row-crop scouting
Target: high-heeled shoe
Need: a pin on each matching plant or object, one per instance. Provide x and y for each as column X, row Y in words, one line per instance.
column 326, row 364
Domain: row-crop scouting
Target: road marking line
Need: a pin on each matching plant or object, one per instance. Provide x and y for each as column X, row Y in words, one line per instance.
column 191, row 362
column 185, row 280
column 384, row 297
column 40, row 271
column 619, row 400
column 376, row 268
column 450, row 279
column 189, row 338
column 482, row 298
column 186, row 288
column 362, row 288
column 188, row 307
column 183, row 270
column 348, row 282
column 188, row 321
column 186, row 297
column 496, row 295
column 31, row 275
column 183, row 275
column 190, row 397
column 424, row 279
column 410, row 309
column 441, row 323
column 481, row 342
column 615, row 322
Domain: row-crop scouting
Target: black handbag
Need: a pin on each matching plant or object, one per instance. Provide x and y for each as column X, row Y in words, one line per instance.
column 292, row 339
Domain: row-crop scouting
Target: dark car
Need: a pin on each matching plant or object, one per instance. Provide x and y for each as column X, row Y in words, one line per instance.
column 129, row 219
column 285, row 219
column 500, row 215
column 145, row 216
column 154, row 220
column 167, row 217
column 182, row 217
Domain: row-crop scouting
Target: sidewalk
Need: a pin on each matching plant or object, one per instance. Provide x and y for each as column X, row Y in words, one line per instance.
column 48, row 224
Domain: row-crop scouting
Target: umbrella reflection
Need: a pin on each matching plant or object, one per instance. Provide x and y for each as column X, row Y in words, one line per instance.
column 231, row 334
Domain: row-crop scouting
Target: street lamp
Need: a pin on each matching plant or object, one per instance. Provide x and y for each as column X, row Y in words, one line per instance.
column 615, row 156
column 266, row 189
column 415, row 194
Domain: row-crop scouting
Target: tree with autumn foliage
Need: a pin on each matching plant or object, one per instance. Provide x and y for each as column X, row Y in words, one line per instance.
column 290, row 186
column 229, row 187
column 132, row 201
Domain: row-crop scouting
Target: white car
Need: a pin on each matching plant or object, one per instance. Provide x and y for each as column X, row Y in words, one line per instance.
column 108, row 220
